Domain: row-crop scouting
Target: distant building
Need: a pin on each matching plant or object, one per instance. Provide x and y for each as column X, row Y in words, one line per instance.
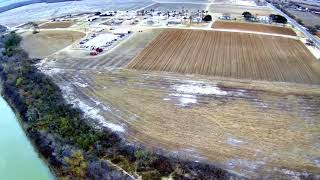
column 225, row 16
column 174, row 21
column 264, row 19
column 92, row 18
column 121, row 32
column 150, row 21
column 197, row 19
column 108, row 14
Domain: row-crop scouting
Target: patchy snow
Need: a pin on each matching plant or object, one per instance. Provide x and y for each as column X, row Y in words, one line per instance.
column 80, row 84
column 135, row 117
column 51, row 71
column 94, row 114
column 317, row 162
column 294, row 174
column 251, row 165
column 188, row 91
column 106, row 108
column 182, row 95
column 112, row 126
column 246, row 3
column 89, row 111
column 185, row 99
column 199, row 88
column 41, row 11
column 189, row 152
column 95, row 101
column 235, row 142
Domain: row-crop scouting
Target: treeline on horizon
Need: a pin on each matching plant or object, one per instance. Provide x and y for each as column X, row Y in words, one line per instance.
column 72, row 147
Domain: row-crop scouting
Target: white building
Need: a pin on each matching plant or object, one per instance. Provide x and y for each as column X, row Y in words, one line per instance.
column 263, row 19
column 174, row 21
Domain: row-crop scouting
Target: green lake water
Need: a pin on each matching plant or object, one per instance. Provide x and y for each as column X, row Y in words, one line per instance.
column 18, row 159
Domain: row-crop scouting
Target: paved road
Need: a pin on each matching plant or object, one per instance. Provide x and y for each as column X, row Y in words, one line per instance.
column 301, row 28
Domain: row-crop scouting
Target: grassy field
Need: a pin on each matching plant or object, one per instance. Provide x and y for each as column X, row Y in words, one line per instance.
column 307, row 18
column 229, row 54
column 45, row 43
column 238, row 10
column 116, row 58
column 219, row 114
column 53, row 25
column 253, row 27
column 241, row 126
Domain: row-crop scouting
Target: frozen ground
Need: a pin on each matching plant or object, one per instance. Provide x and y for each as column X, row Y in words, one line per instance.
column 8, row 2
column 41, row 11
column 177, row 6
column 252, row 128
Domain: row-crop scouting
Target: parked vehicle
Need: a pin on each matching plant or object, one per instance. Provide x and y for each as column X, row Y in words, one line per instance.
column 94, row 53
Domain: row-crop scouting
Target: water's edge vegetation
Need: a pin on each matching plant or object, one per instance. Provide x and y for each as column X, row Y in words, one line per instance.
column 73, row 146
column 19, row 158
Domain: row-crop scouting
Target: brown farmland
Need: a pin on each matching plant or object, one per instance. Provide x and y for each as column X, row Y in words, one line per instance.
column 238, row 10
column 229, row 54
column 253, row 27
column 47, row 42
column 53, row 25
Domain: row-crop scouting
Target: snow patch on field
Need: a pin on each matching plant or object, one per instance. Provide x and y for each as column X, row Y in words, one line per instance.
column 187, row 92
column 41, row 11
column 182, row 95
column 235, row 142
column 188, row 153
column 294, row 174
column 184, row 99
column 243, row 163
column 51, row 71
column 199, row 88
column 81, row 84
column 317, row 162
column 89, row 111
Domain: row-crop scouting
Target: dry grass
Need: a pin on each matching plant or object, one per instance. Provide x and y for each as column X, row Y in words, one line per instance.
column 118, row 57
column 256, row 128
column 308, row 18
column 238, row 10
column 228, row 54
column 53, row 25
column 45, row 43
column 249, row 131
column 253, row 27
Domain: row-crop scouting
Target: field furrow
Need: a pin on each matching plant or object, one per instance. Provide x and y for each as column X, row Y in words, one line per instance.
column 229, row 54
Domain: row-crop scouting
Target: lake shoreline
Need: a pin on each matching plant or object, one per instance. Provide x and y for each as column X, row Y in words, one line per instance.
column 23, row 125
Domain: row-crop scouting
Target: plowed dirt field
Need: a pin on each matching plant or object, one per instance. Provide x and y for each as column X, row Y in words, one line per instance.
column 253, row 27
column 229, row 54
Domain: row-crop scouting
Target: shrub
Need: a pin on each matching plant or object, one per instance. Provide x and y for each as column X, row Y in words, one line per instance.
column 207, row 18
